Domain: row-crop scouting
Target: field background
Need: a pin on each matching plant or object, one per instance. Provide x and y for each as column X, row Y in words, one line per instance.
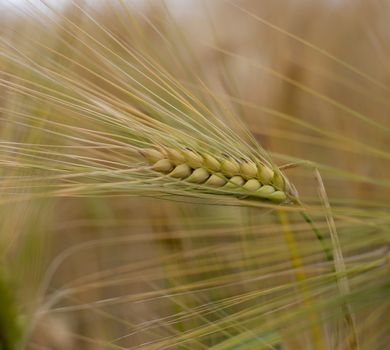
column 310, row 80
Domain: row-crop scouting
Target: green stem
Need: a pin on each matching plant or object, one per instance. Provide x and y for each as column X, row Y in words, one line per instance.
column 300, row 275
column 325, row 246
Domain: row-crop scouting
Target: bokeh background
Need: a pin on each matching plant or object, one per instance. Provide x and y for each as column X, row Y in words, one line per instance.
column 310, row 79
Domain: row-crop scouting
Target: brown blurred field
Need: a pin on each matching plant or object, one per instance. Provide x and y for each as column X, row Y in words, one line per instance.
column 310, row 79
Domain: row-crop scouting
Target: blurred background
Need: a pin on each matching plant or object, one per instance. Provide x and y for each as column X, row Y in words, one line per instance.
column 310, row 79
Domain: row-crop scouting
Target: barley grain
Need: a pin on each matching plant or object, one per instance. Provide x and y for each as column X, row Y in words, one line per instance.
column 230, row 167
column 251, row 185
column 163, row 166
column 182, row 171
column 198, row 176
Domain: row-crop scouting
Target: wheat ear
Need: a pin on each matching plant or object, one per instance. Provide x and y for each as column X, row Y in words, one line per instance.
column 248, row 177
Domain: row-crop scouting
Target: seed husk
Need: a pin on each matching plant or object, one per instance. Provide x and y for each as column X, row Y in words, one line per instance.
column 198, row 176
column 152, row 155
column 277, row 196
column 230, row 167
column 235, row 181
column 217, row 180
column 182, row 171
column 278, row 180
column 264, row 174
column 194, row 160
column 211, row 163
column 252, row 185
column 248, row 170
column 265, row 191
column 163, row 166
column 175, row 156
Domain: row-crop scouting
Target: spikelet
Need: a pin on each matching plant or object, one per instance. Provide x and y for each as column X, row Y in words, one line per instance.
column 264, row 174
column 247, row 178
column 252, row 185
column 235, row 181
column 162, row 166
column 217, row 180
column 230, row 167
column 278, row 180
column 193, row 159
column 248, row 170
column 198, row 176
column 211, row 163
column 277, row 196
column 175, row 156
column 265, row 191
column 182, row 171
column 152, row 155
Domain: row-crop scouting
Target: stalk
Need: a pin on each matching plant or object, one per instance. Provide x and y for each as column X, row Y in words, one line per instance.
column 300, row 276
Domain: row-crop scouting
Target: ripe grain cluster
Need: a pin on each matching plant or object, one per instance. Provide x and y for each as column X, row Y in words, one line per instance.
column 248, row 177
